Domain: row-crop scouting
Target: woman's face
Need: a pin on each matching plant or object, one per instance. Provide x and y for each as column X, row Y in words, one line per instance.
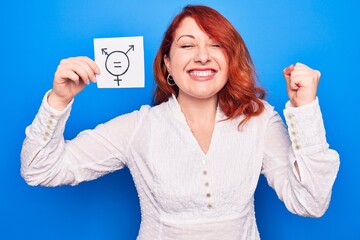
column 196, row 62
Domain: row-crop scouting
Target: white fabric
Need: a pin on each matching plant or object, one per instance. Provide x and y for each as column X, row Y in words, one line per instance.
column 184, row 193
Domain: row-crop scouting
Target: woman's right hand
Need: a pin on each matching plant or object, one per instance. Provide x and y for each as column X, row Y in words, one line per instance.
column 71, row 76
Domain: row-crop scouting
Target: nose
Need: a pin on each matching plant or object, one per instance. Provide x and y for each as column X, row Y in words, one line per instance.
column 202, row 55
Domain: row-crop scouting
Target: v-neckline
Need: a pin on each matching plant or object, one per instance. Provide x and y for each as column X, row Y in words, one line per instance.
column 198, row 143
column 176, row 110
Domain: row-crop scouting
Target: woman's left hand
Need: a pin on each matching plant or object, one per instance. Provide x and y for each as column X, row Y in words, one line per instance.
column 302, row 83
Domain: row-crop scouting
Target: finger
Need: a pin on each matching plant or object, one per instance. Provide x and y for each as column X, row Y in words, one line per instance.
column 79, row 69
column 287, row 72
column 89, row 71
column 302, row 72
column 68, row 75
column 299, row 80
column 293, row 85
column 92, row 64
column 303, row 67
column 288, row 69
column 85, row 67
column 83, row 74
column 300, row 65
column 306, row 75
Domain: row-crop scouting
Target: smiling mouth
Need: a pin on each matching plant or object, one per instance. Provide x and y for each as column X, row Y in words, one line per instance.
column 202, row 73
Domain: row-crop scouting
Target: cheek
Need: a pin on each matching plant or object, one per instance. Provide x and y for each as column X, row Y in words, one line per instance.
column 181, row 59
column 225, row 62
column 226, row 68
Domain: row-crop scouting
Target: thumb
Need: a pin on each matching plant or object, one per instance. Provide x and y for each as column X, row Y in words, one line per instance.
column 287, row 72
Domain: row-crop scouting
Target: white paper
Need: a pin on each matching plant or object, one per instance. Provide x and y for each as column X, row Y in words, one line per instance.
column 121, row 62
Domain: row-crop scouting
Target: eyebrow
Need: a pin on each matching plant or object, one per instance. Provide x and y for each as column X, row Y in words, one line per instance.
column 190, row 36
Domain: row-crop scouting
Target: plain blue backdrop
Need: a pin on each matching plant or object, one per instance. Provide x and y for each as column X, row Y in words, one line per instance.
column 36, row 35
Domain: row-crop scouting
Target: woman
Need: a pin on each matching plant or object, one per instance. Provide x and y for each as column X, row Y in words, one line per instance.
column 195, row 156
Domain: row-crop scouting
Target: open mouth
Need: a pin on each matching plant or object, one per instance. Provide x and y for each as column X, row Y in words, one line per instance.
column 202, row 73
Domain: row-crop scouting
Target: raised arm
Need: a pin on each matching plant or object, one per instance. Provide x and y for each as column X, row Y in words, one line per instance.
column 48, row 159
column 298, row 162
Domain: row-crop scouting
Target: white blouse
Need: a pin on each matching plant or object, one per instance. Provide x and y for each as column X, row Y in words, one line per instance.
column 184, row 193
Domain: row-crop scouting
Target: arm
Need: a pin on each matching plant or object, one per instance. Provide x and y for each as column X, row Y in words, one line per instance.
column 301, row 170
column 48, row 160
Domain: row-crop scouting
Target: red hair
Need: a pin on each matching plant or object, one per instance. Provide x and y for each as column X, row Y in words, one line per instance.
column 240, row 95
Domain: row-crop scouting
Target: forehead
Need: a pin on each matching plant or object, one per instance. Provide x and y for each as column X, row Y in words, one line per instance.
column 188, row 26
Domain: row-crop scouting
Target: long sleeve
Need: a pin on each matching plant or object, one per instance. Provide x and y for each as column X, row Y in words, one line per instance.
column 304, row 142
column 49, row 160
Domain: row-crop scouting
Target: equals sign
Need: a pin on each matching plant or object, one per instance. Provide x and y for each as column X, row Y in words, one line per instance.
column 117, row 66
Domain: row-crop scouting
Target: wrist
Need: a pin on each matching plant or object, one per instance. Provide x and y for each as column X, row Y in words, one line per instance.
column 57, row 102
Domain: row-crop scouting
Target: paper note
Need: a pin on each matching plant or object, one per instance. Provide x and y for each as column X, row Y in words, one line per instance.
column 121, row 62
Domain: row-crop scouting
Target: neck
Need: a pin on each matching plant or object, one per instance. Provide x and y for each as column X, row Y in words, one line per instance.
column 198, row 111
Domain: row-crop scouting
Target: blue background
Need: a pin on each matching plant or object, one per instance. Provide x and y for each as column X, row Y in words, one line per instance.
column 36, row 35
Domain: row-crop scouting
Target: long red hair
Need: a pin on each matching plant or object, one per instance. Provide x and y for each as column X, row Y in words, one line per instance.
column 240, row 95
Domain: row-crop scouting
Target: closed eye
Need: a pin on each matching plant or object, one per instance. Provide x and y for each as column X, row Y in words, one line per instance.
column 216, row 46
column 187, row 46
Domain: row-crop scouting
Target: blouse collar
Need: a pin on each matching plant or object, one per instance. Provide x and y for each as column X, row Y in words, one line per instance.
column 175, row 109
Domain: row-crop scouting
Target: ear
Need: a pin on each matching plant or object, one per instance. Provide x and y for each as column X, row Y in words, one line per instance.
column 167, row 63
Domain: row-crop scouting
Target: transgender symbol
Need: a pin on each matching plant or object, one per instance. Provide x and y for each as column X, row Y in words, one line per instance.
column 117, row 63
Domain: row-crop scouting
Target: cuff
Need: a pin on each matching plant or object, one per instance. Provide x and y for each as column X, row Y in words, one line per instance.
column 49, row 121
column 306, row 128
column 52, row 110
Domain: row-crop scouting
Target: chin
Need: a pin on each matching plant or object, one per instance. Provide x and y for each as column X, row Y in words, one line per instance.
column 205, row 95
column 202, row 93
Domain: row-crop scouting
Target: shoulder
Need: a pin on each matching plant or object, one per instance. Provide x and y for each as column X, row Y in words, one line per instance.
column 144, row 112
column 269, row 110
column 129, row 119
column 267, row 115
column 161, row 110
column 267, row 107
column 258, row 121
column 270, row 117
